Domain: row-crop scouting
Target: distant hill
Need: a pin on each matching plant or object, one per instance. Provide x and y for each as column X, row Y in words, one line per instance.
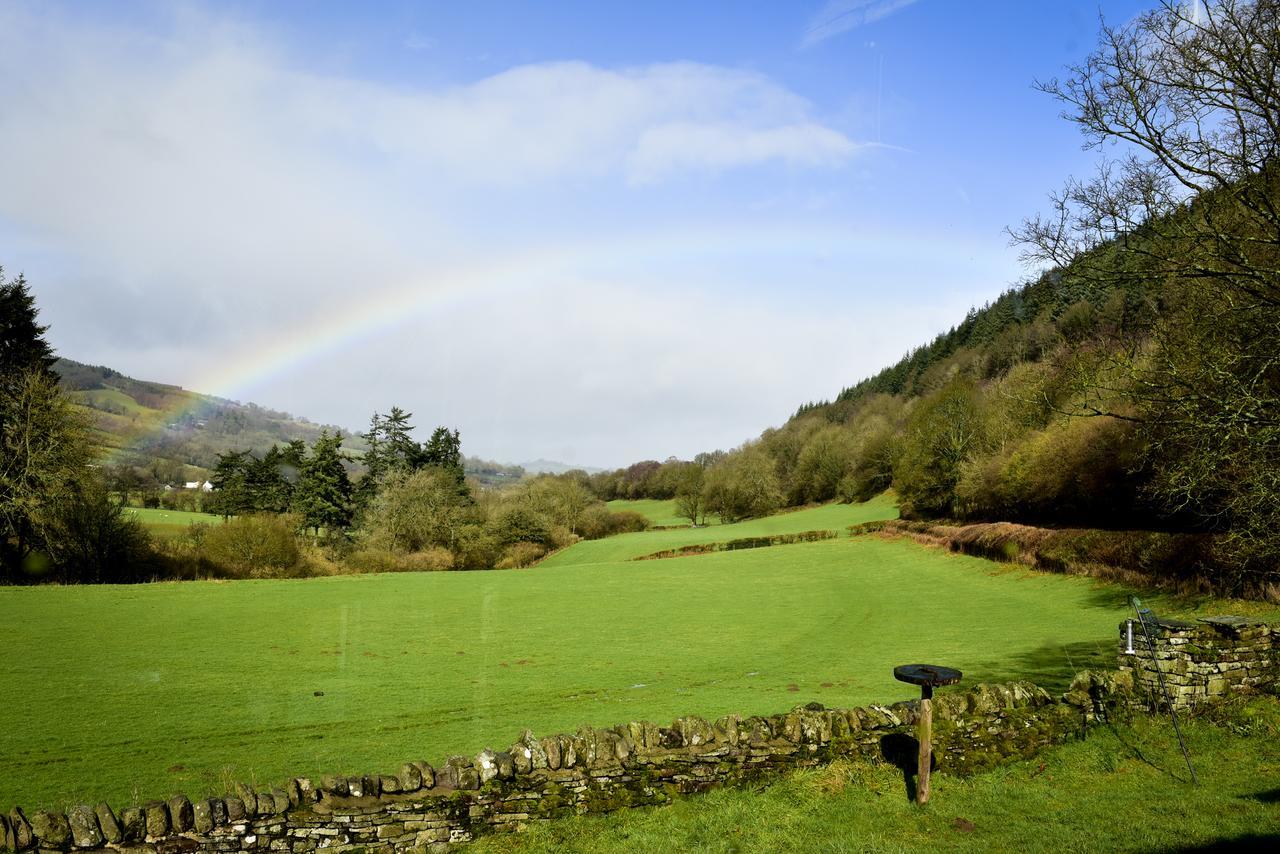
column 541, row 466
column 176, row 432
column 490, row 473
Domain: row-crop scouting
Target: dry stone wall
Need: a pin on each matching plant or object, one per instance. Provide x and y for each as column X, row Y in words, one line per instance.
column 1200, row 660
column 426, row 808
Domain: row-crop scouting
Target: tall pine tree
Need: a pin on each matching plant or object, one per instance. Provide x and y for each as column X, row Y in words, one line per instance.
column 323, row 493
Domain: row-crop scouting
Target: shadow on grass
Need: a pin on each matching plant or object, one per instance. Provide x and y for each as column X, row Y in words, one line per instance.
column 1270, row 796
column 902, row 751
column 1245, row 842
column 1051, row 666
column 1165, row 603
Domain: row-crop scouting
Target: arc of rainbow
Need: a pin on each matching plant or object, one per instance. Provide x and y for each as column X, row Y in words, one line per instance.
column 393, row 306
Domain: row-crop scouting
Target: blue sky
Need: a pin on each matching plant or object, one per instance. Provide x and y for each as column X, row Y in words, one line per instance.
column 591, row 232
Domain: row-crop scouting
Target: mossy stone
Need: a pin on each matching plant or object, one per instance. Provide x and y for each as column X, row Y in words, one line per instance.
column 84, row 827
column 51, row 829
column 108, row 824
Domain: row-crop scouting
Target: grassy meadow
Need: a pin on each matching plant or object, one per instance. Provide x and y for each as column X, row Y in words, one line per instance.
column 133, row 692
column 170, row 523
column 623, row 547
column 657, row 511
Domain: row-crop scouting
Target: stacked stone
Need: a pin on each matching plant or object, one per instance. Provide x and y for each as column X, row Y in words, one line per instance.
column 1201, row 661
column 426, row 808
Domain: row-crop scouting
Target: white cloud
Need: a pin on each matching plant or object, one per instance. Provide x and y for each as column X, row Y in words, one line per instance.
column 840, row 16
column 679, row 146
column 200, row 198
column 554, row 120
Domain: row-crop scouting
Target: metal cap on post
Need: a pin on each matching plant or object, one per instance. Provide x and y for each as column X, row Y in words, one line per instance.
column 928, row 677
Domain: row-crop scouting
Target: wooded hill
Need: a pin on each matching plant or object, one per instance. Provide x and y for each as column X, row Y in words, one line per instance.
column 1136, row 382
column 177, row 434
column 173, row 431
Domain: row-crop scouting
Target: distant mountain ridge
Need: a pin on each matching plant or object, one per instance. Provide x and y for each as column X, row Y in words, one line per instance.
column 541, row 466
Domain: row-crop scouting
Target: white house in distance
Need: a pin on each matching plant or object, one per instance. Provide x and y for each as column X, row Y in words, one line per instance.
column 201, row 485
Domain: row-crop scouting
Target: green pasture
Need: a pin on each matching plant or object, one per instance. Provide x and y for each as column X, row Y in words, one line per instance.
column 170, row 523
column 827, row 517
column 133, row 692
column 110, row 400
column 1125, row 788
column 658, row 511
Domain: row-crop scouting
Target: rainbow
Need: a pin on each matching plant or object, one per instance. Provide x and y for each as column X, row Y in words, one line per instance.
column 367, row 314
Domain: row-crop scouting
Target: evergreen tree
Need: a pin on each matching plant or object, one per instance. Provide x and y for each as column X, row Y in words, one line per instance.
column 22, row 345
column 399, row 450
column 323, row 493
column 232, row 484
column 44, row 449
column 43, row 443
column 444, row 450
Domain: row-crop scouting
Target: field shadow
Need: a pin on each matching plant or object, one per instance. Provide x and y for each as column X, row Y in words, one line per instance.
column 902, row 751
column 1051, row 666
column 1116, row 595
column 1244, row 842
column 1270, row 796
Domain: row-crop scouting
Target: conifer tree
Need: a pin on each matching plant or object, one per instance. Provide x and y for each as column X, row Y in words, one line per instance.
column 323, row 493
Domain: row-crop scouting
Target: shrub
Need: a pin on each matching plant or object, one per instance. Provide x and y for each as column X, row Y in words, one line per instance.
column 256, row 546
column 89, row 539
column 599, row 521
column 475, row 548
column 520, row 524
column 429, row 560
column 521, row 555
column 374, row 560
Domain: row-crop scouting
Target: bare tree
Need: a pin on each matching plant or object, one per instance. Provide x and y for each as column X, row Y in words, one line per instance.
column 1183, row 105
column 1188, row 97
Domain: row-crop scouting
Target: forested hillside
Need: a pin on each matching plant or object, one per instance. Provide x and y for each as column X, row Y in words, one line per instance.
column 175, row 433
column 1134, row 382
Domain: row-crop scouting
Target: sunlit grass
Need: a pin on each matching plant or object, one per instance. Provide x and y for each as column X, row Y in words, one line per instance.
column 834, row 517
column 134, row 692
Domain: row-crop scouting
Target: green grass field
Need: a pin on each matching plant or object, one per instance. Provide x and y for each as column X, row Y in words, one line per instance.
column 109, row 400
column 129, row 693
column 170, row 523
column 832, row 517
column 656, row 511
column 1123, row 789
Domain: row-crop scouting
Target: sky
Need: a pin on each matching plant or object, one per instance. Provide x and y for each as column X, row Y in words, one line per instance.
column 590, row 232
